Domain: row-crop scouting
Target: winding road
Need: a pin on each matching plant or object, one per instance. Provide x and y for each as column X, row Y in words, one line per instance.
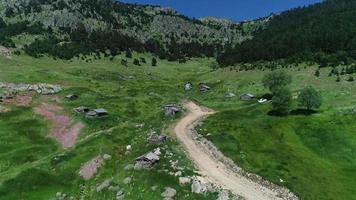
column 211, row 169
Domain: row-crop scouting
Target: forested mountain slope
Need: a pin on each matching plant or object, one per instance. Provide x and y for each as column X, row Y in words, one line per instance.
column 324, row 33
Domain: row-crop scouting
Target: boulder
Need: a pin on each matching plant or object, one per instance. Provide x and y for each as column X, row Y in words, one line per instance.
column 127, row 180
column 184, row 181
column 120, row 195
column 169, row 193
column 104, row 185
column 198, row 187
column 107, row 157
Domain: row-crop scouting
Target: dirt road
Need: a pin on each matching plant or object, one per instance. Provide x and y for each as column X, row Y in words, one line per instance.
column 213, row 170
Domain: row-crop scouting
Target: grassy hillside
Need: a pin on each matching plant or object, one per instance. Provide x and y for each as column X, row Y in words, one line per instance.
column 34, row 167
column 303, row 151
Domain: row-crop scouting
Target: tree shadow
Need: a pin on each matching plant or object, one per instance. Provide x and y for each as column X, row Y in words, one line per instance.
column 303, row 112
column 276, row 113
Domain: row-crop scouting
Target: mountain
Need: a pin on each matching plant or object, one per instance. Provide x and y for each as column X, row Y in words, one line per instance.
column 324, row 33
column 63, row 28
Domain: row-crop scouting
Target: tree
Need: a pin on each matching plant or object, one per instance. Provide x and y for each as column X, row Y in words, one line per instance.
column 350, row 79
column 317, row 73
column 276, row 80
column 128, row 53
column 310, row 98
column 282, row 100
column 154, row 62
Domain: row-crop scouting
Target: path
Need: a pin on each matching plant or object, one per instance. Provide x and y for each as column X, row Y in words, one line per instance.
column 215, row 171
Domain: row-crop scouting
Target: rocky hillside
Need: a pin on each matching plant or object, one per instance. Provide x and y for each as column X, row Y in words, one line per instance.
column 138, row 27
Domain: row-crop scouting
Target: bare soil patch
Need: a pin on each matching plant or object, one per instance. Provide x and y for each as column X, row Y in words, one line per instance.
column 63, row 129
column 90, row 168
column 20, row 100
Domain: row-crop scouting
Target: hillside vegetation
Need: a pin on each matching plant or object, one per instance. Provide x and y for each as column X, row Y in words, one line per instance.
column 324, row 33
column 70, row 28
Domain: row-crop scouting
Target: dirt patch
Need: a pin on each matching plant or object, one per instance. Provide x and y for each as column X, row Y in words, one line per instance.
column 63, row 129
column 90, row 168
column 20, row 100
column 4, row 109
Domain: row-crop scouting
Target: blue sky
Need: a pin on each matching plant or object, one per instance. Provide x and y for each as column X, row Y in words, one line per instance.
column 236, row 10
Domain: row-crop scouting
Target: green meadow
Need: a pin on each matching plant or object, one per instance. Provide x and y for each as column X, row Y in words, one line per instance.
column 312, row 155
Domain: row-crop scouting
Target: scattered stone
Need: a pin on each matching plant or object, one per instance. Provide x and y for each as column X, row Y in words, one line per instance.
column 188, row 86
column 184, row 181
column 104, row 185
column 198, row 187
column 107, row 157
column 127, row 180
column 81, row 109
column 129, row 167
column 120, row 195
column 178, row 173
column 203, row 87
column 223, row 195
column 157, row 139
column 169, row 193
column 114, row 188
column 72, row 97
column 230, row 95
column 41, row 88
column 128, row 147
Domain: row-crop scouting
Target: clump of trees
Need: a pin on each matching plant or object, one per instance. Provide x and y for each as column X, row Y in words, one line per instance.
column 277, row 82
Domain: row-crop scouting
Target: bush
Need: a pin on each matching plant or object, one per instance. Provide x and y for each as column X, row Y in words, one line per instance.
column 310, row 98
column 136, row 62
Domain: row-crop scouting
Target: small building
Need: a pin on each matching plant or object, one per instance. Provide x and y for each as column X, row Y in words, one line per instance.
column 204, row 87
column 72, row 97
column 96, row 113
column 157, row 139
column 170, row 110
column 149, row 159
column 81, row 109
column 247, row 97
column 188, row 86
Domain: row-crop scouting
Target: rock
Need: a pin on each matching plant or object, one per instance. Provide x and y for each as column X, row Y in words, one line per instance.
column 223, row 195
column 58, row 194
column 129, row 167
column 169, row 192
column 104, row 185
column 184, row 181
column 198, row 187
column 120, row 195
column 154, row 187
column 114, row 188
column 127, row 180
column 107, row 157
column 128, row 147
column 230, row 95
column 179, row 173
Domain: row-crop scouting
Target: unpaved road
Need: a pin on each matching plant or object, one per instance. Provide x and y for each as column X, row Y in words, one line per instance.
column 217, row 172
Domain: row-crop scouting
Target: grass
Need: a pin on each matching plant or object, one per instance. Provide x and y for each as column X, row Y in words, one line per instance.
column 30, row 155
column 312, row 154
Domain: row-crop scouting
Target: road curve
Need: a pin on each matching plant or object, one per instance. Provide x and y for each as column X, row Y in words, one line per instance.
column 215, row 171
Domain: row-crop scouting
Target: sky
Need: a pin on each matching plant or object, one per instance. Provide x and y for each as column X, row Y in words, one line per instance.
column 236, row 10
